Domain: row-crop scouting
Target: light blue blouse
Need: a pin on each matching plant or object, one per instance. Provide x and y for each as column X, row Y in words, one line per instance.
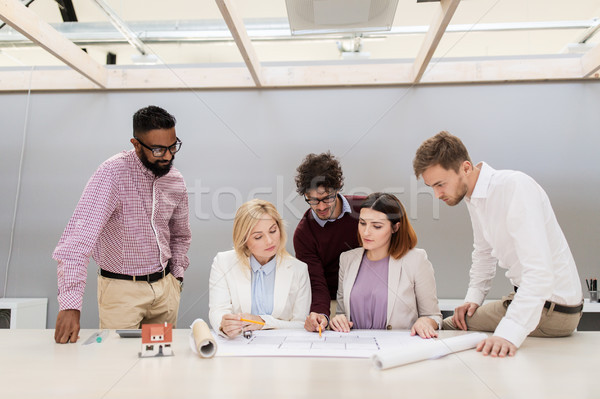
column 263, row 286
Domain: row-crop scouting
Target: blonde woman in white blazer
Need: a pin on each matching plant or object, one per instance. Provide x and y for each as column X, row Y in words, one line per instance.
column 258, row 275
column 387, row 282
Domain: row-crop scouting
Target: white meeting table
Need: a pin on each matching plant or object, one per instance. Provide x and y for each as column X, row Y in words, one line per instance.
column 33, row 366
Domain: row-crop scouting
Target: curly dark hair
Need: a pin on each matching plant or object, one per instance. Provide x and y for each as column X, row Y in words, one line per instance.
column 322, row 170
column 150, row 118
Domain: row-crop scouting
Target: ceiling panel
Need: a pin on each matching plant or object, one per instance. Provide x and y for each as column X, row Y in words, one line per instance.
column 492, row 44
column 184, row 32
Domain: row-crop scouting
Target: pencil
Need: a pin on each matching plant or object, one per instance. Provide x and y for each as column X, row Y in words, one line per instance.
column 252, row 321
column 319, row 331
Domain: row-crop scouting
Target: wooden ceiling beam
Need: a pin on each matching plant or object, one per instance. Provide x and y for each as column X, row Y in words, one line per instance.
column 355, row 75
column 242, row 40
column 29, row 24
column 433, row 37
column 590, row 62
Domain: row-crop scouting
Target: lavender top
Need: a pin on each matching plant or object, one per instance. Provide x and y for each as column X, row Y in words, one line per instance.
column 369, row 296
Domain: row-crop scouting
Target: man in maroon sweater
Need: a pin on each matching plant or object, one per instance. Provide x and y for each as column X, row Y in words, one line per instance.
column 326, row 230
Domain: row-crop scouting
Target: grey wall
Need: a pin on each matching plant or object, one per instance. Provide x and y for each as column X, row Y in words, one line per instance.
column 240, row 144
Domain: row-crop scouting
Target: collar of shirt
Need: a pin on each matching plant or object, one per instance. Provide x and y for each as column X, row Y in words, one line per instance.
column 345, row 209
column 139, row 163
column 267, row 268
column 483, row 182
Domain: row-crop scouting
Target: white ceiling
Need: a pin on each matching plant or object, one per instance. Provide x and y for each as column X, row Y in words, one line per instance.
column 410, row 15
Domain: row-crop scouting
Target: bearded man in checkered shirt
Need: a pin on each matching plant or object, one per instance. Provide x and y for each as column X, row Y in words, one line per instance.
column 133, row 219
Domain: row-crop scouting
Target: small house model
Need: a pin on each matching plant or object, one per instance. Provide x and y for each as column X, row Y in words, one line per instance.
column 156, row 340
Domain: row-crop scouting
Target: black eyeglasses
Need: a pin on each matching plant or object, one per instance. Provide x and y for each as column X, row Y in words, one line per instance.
column 160, row 151
column 327, row 200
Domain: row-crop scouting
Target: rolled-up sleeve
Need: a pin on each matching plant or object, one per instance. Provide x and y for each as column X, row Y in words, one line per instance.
column 95, row 208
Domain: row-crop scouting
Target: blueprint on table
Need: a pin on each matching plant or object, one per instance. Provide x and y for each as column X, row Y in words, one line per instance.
column 356, row 343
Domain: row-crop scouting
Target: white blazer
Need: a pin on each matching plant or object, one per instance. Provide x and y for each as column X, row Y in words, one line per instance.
column 411, row 288
column 230, row 291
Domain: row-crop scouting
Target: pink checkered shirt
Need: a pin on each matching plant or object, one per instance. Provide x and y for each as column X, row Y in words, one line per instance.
column 130, row 222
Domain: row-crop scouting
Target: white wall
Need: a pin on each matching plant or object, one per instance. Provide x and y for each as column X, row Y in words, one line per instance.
column 236, row 143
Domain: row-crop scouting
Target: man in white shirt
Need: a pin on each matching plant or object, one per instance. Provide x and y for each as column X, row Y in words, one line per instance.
column 515, row 228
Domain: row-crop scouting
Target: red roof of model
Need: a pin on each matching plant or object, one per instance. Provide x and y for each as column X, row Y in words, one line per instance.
column 149, row 330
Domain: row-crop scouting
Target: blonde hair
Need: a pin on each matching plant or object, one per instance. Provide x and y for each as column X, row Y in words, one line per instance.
column 246, row 218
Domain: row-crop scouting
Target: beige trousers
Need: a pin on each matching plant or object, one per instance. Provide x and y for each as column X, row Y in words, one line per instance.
column 488, row 316
column 124, row 304
column 332, row 308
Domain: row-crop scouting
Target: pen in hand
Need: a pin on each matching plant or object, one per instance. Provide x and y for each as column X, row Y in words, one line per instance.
column 253, row 321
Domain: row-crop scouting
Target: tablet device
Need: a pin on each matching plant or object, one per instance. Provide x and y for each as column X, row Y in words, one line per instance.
column 130, row 333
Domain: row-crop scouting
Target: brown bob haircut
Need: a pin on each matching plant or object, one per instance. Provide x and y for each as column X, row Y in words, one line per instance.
column 442, row 149
column 405, row 238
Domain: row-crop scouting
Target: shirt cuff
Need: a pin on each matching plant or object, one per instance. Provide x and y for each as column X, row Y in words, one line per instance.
column 474, row 295
column 177, row 271
column 70, row 300
column 511, row 331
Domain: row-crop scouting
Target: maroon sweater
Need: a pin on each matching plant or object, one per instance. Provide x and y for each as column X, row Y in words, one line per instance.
column 320, row 248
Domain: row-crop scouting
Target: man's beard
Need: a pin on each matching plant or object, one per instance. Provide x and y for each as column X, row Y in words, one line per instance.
column 459, row 197
column 158, row 169
column 330, row 212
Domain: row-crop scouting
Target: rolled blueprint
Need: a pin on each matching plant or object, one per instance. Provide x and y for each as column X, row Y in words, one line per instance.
column 202, row 341
column 429, row 349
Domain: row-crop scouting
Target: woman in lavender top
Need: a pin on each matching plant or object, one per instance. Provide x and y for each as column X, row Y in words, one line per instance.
column 386, row 283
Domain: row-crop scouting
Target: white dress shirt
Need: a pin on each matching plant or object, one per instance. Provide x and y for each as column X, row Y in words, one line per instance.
column 514, row 227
